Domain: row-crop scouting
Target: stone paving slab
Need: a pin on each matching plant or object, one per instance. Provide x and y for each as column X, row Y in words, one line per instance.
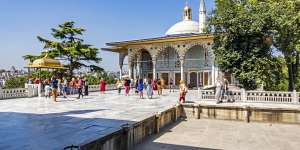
column 39, row 123
column 224, row 135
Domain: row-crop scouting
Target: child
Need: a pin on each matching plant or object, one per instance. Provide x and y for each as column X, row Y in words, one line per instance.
column 119, row 86
column 47, row 89
column 182, row 91
column 127, row 87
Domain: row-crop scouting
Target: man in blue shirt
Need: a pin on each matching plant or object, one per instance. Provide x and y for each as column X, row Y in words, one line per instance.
column 54, row 86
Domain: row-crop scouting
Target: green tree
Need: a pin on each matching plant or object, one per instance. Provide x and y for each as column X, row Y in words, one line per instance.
column 41, row 74
column 285, row 16
column 15, row 82
column 95, row 79
column 278, row 80
column 248, row 32
column 241, row 45
column 69, row 47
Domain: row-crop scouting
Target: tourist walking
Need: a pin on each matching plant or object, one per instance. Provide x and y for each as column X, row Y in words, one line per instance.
column 65, row 87
column 72, row 85
column 154, row 85
column 159, row 87
column 225, row 90
column 119, row 85
column 127, row 87
column 182, row 91
column 136, row 87
column 218, row 94
column 149, row 89
column 60, row 88
column 54, row 86
column 171, row 85
column 102, row 86
column 140, row 88
column 47, row 89
column 30, row 81
column 80, row 85
column 131, row 83
column 86, row 87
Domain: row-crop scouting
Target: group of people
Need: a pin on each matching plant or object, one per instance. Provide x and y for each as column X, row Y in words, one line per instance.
column 221, row 90
column 60, row 86
column 141, row 85
column 149, row 86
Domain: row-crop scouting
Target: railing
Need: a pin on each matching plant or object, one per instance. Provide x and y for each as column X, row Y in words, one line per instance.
column 272, row 97
column 31, row 90
column 13, row 93
column 254, row 96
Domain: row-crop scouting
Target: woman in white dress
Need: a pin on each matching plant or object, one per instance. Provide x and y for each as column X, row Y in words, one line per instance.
column 149, row 89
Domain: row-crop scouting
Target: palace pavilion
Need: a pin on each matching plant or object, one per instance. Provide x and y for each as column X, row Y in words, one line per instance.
column 183, row 53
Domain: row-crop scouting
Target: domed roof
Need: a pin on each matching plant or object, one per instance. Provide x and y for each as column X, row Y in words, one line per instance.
column 184, row 27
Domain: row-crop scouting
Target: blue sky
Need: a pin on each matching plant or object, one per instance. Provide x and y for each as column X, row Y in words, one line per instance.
column 105, row 21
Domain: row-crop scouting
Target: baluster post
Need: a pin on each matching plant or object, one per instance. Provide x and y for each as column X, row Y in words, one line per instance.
column 200, row 93
column 295, row 98
column 243, row 95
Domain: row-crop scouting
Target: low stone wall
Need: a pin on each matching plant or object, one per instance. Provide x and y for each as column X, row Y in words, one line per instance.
column 244, row 113
column 96, row 88
column 131, row 134
column 274, row 115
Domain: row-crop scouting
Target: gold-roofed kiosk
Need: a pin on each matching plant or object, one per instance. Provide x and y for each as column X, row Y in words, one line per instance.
column 46, row 63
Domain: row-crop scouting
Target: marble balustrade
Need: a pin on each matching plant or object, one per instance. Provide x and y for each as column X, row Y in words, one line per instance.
column 13, row 93
column 31, row 90
column 254, row 96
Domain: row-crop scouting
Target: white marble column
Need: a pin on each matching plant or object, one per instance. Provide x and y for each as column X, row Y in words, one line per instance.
column 121, row 62
column 121, row 71
column 134, row 70
column 40, row 89
column 213, row 73
column 181, row 69
column 139, row 66
column 154, row 67
column 197, row 80
column 130, row 69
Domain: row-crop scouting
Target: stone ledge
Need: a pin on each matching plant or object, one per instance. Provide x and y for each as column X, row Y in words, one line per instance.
column 242, row 113
column 130, row 135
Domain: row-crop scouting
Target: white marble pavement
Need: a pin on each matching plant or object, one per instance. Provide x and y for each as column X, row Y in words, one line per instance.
column 37, row 123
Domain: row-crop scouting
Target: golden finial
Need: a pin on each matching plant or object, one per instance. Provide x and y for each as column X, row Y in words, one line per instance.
column 187, row 12
column 46, row 55
column 186, row 5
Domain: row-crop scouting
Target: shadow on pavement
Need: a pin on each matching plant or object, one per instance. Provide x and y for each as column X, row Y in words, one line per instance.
column 151, row 144
column 52, row 131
